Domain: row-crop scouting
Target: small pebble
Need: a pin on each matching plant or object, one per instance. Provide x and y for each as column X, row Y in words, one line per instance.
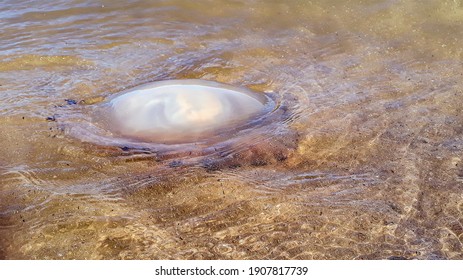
column 71, row 101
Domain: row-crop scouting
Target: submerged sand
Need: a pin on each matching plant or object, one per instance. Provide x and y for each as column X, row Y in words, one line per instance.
column 365, row 163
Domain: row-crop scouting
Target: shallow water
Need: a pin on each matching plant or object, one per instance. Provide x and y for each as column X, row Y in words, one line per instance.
column 362, row 161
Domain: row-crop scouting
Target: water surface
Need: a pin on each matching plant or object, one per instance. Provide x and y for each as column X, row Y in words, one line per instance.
column 362, row 161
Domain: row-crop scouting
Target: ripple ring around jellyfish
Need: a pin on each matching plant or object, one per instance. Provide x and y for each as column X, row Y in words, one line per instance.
column 188, row 122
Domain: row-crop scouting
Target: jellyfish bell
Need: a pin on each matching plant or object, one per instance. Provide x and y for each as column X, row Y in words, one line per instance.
column 194, row 122
column 181, row 110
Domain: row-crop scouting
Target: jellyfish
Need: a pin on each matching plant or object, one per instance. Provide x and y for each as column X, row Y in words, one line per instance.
column 179, row 111
column 189, row 122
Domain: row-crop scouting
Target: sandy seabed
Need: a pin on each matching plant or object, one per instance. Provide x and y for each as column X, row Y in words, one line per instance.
column 362, row 159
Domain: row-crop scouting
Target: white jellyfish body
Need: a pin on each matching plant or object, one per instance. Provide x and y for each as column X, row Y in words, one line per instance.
column 181, row 110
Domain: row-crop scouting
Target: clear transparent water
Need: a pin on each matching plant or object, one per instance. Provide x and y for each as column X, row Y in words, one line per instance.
column 362, row 160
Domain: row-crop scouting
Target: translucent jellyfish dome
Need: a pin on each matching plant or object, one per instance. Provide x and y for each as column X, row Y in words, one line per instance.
column 181, row 110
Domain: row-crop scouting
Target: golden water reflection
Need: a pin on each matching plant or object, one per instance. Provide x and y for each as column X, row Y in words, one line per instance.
column 366, row 165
